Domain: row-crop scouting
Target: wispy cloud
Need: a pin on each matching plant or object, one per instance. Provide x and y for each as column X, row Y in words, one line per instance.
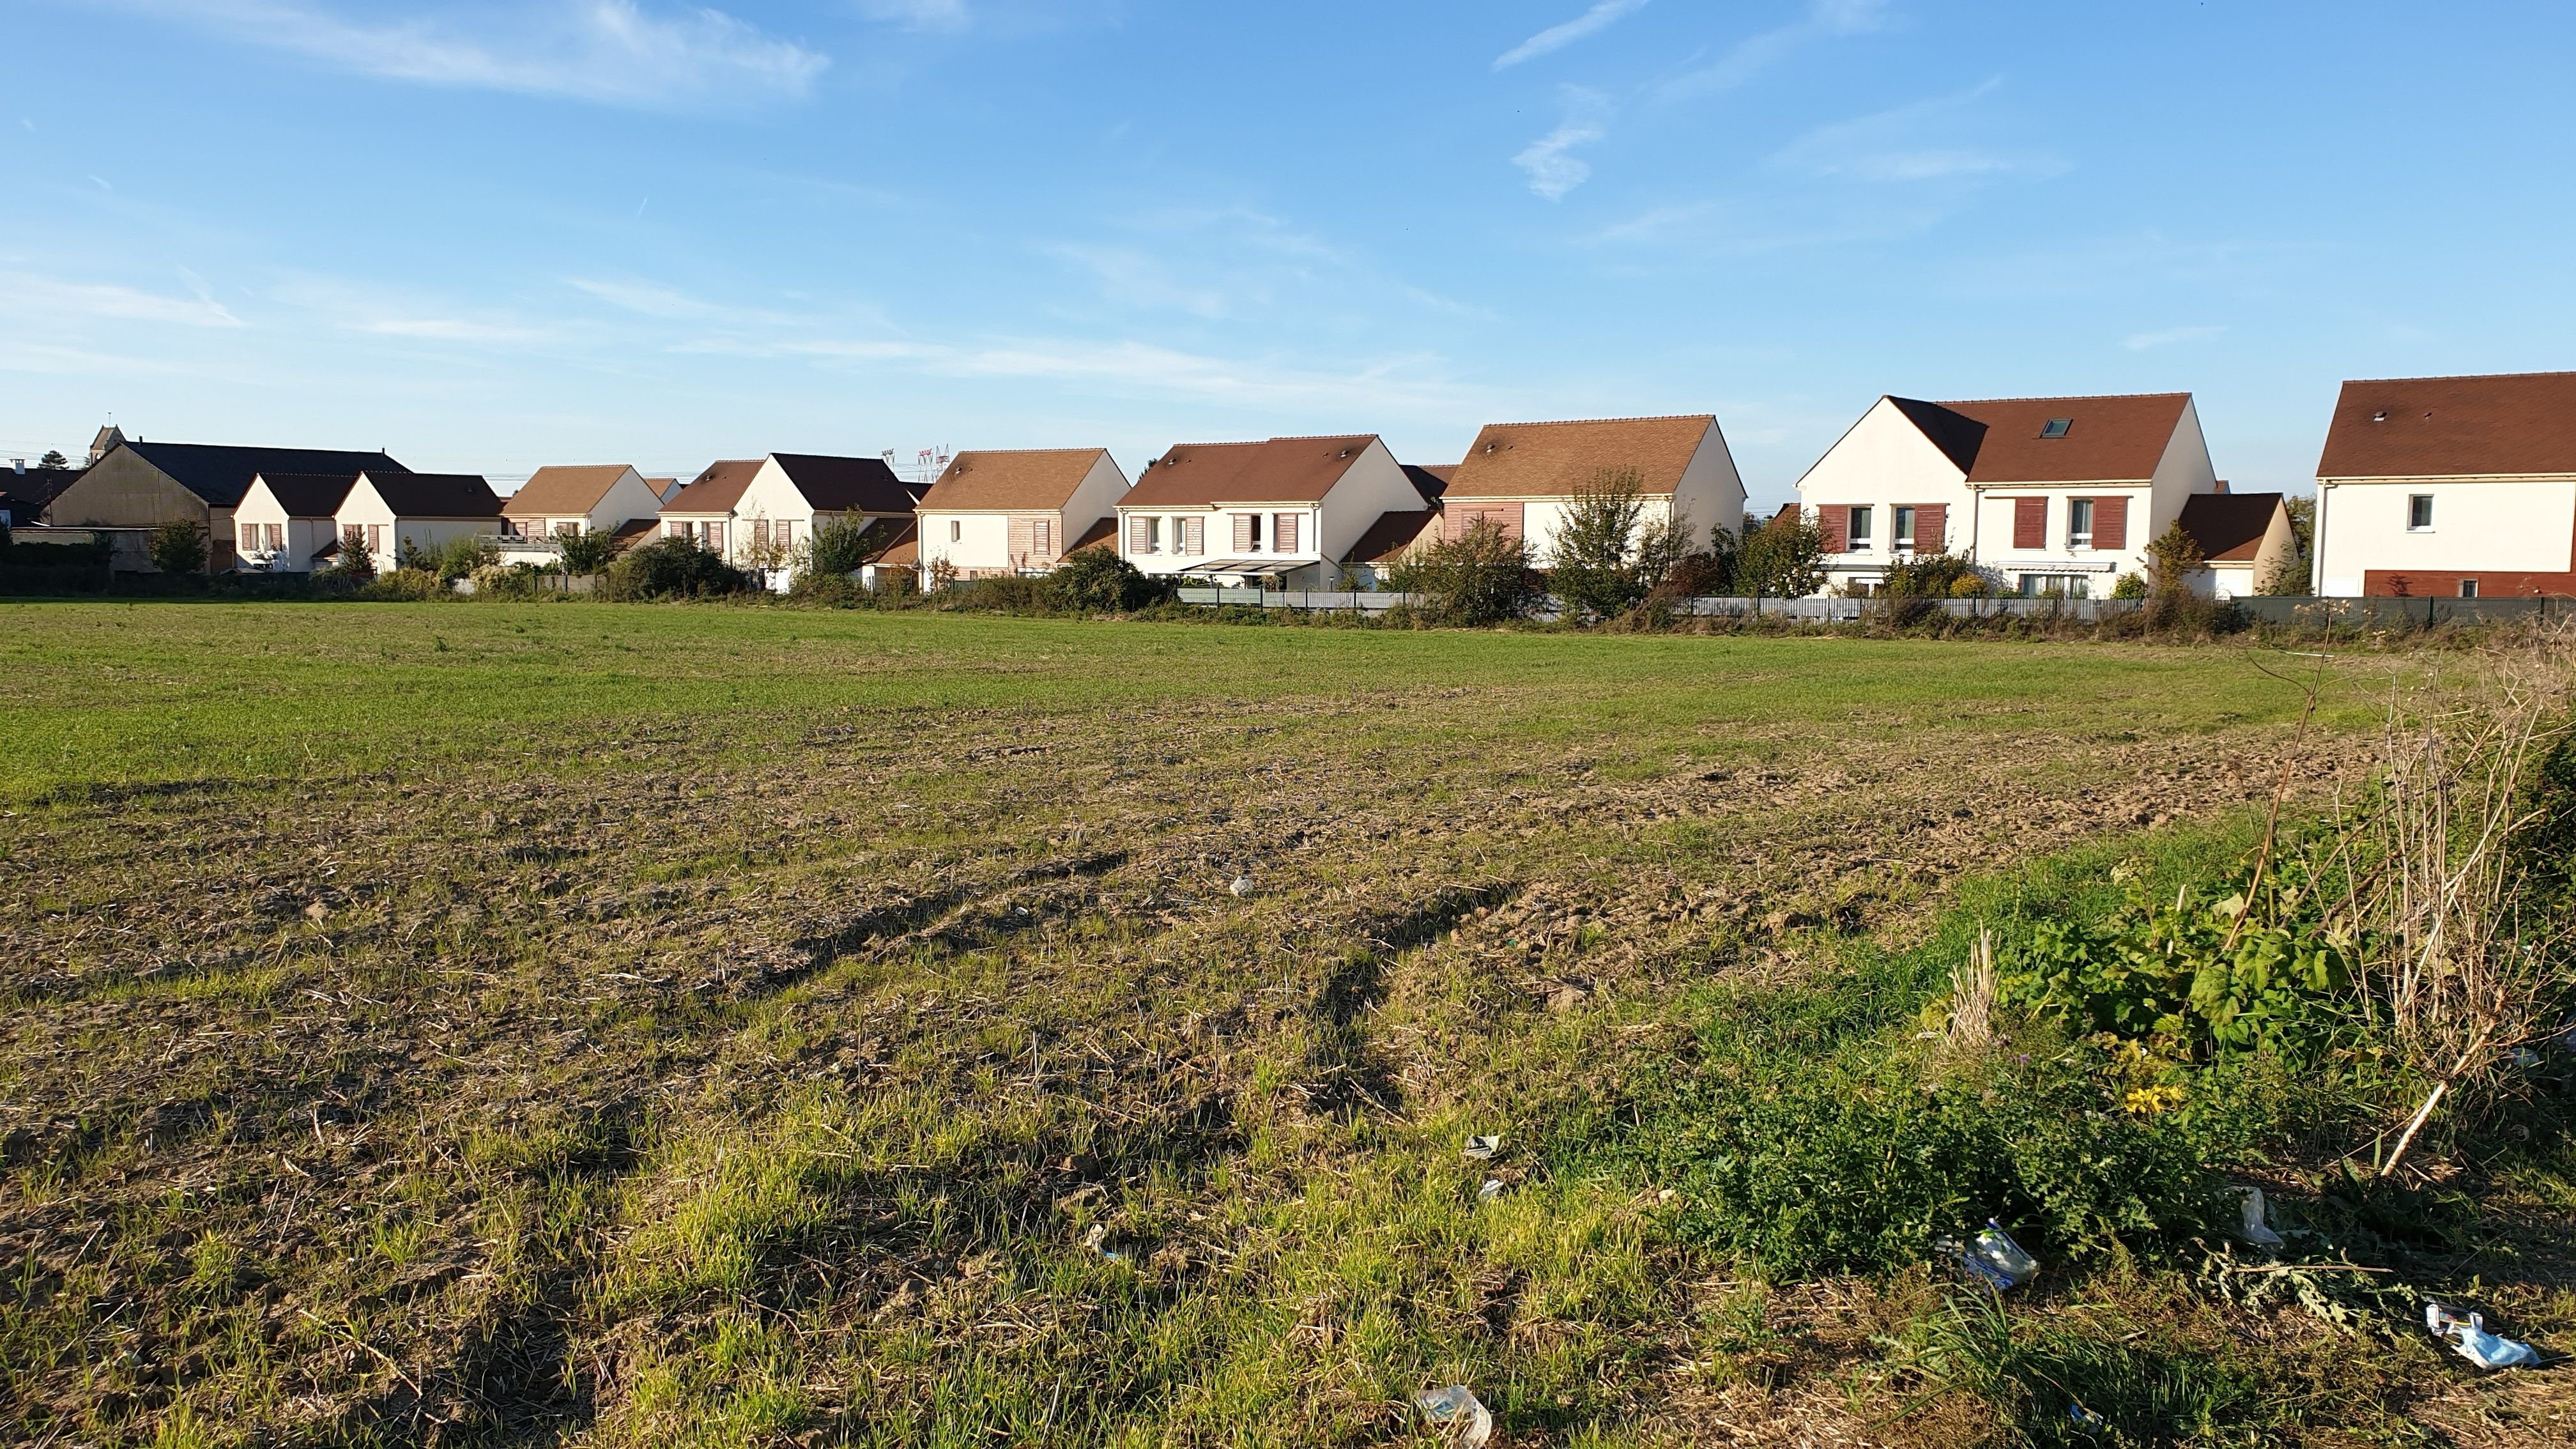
column 1600, row 17
column 392, row 311
column 2144, row 341
column 28, row 293
column 1553, row 168
column 609, row 51
column 1824, row 20
column 918, row 14
column 1412, row 381
column 1904, row 144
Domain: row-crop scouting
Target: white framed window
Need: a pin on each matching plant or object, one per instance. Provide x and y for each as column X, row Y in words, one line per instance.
column 2419, row 513
column 1903, row 523
column 1858, row 537
column 2064, row 586
column 2468, row 588
column 1189, row 536
column 2079, row 523
column 1153, row 535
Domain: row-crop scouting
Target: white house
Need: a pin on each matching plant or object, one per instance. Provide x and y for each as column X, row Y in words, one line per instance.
column 286, row 520
column 2051, row 495
column 611, row 498
column 395, row 514
column 997, row 513
column 1286, row 510
column 758, row 512
column 2243, row 539
column 1523, row 477
column 2457, row 487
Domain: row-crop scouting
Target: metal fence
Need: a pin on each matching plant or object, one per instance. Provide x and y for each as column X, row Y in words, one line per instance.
column 2317, row 613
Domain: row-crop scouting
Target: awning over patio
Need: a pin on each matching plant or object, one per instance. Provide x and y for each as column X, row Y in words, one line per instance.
column 1246, row 568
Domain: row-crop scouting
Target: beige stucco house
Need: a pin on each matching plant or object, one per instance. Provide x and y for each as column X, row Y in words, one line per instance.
column 760, row 513
column 1286, row 511
column 1523, row 477
column 2453, row 487
column 996, row 512
column 611, row 498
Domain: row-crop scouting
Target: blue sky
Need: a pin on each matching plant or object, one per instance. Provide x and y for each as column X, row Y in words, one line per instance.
column 491, row 236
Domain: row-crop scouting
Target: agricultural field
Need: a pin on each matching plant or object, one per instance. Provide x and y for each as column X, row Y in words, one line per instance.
column 648, row 1025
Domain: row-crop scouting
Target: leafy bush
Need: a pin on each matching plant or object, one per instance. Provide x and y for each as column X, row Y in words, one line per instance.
column 672, row 568
column 588, row 552
column 458, row 558
column 2129, row 586
column 1609, row 555
column 1931, row 576
column 1097, row 581
column 179, row 547
column 1480, row 577
column 1783, row 559
column 840, row 547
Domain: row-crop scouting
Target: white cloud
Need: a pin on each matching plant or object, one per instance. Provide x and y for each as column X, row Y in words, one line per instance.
column 1553, row 168
column 47, row 295
column 1902, row 145
column 2143, row 341
column 1825, row 20
column 609, row 51
column 1601, row 16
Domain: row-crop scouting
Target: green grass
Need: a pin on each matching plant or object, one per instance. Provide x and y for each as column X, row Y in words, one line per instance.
column 718, row 1025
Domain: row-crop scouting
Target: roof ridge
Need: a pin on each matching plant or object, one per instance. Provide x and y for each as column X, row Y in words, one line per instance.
column 2462, row 377
column 1958, row 402
column 1580, row 422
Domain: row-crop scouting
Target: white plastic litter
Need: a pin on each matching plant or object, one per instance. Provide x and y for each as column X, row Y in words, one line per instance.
column 2469, row 1337
column 1993, row 1259
column 1492, row 1189
column 1241, row 885
column 1457, row 1409
column 2254, row 1230
column 1480, row 1148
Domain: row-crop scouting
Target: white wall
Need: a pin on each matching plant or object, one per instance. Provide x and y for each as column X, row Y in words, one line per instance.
column 1375, row 485
column 983, row 543
column 1711, row 491
column 1884, row 460
column 365, row 506
column 2500, row 526
column 1095, row 499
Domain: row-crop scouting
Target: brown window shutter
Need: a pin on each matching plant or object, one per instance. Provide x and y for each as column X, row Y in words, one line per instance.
column 1135, row 535
column 2030, row 523
column 1931, row 528
column 1042, row 537
column 1189, row 536
column 1833, row 520
column 1016, row 539
column 1243, row 533
column 1283, row 533
column 2110, row 523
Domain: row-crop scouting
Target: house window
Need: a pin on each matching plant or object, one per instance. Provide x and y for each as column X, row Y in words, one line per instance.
column 276, row 536
column 784, row 535
column 1904, row 525
column 2079, row 523
column 956, row 529
column 2419, row 513
column 1283, row 532
column 1858, row 539
column 715, row 536
column 2468, row 588
column 1247, row 533
column 1153, row 535
column 1041, row 537
column 567, row 527
column 249, row 537
column 375, row 538
column 2060, row 586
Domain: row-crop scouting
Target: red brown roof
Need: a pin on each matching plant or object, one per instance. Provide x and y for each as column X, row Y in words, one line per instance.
column 2229, row 527
column 717, row 489
column 1553, row 460
column 2437, row 427
column 1394, row 532
column 1103, row 533
column 2117, row 439
column 573, row 489
column 1012, row 478
column 1282, row 470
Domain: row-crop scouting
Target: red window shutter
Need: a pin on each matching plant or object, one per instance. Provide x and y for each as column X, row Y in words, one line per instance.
column 2030, row 523
column 1931, row 528
column 1283, row 533
column 1243, row 532
column 1833, row 520
column 2110, row 523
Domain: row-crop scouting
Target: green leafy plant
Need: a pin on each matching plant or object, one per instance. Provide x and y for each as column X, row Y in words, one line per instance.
column 1930, row 576
column 179, row 547
column 2132, row 585
column 2056, row 1387
column 1480, row 577
column 1610, row 553
column 673, row 568
column 1784, row 559
column 588, row 552
column 1097, row 581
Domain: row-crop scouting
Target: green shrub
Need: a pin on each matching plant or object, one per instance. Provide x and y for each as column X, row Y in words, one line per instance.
column 1097, row 581
column 1480, row 577
column 672, row 568
column 179, row 547
column 1783, row 559
column 458, row 558
column 1931, row 576
column 588, row 552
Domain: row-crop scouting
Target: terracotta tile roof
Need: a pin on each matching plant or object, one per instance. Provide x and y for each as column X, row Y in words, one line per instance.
column 1394, row 532
column 2438, row 427
column 1281, row 470
column 2229, row 527
column 891, row 543
column 717, row 489
column 1012, row 478
column 847, row 485
column 1103, row 533
column 633, row 531
column 573, row 489
column 437, row 495
column 1552, row 460
column 2116, row 439
column 308, row 495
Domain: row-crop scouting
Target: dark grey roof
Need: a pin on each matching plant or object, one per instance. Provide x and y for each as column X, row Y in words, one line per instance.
column 309, row 495
column 1956, row 436
column 38, row 486
column 437, row 495
column 848, row 485
column 221, row 474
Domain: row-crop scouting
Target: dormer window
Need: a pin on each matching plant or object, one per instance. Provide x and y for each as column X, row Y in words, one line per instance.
column 2056, row 427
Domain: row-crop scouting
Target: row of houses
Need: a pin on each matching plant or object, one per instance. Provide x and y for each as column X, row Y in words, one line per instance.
column 2456, row 486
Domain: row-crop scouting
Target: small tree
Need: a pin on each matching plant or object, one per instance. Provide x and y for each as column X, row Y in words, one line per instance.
column 841, row 547
column 2129, row 586
column 2172, row 560
column 673, row 568
column 458, row 558
column 587, row 552
column 1595, row 543
column 1480, row 577
column 355, row 560
column 53, row 461
column 1098, row 581
column 179, row 547
column 1784, row 559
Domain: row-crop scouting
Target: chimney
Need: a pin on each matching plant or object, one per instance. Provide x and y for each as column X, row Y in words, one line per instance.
column 17, row 465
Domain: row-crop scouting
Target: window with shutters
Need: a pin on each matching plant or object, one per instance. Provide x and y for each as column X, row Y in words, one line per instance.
column 1247, row 533
column 567, row 528
column 376, row 539
column 760, row 533
column 1283, row 533
column 1140, row 536
column 1859, row 529
column 1931, row 527
column 715, row 536
column 2110, row 523
column 276, row 536
column 249, row 537
column 1903, row 523
column 1190, row 535
column 2079, row 523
